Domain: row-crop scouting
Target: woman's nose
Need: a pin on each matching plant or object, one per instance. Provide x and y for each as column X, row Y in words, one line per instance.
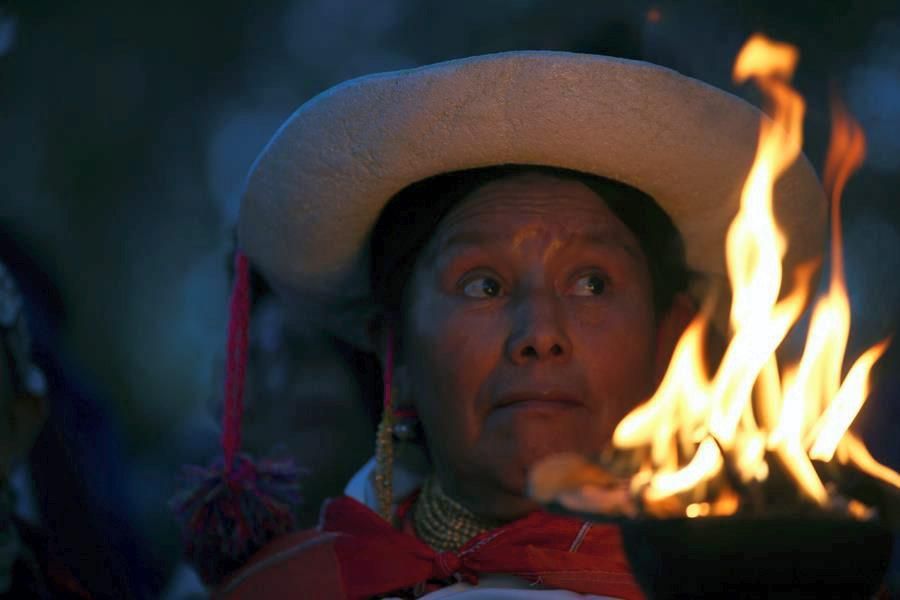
column 539, row 330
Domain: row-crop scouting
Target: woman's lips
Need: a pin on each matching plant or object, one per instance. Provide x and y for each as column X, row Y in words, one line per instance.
column 543, row 401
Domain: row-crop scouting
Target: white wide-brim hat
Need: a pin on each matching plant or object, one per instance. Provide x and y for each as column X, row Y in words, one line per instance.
column 315, row 193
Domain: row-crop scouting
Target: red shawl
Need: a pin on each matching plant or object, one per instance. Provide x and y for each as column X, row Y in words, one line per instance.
column 355, row 554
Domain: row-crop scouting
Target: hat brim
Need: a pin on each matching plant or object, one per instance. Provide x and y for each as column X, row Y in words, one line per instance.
column 316, row 191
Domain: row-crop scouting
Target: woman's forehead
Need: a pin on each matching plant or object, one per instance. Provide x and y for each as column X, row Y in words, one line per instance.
column 528, row 206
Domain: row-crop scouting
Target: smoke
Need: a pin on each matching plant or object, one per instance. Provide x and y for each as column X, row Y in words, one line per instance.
column 874, row 97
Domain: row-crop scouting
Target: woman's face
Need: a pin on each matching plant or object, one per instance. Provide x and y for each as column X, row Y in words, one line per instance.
column 529, row 330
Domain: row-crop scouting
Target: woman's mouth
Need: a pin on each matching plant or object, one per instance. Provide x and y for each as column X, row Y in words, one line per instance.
column 544, row 401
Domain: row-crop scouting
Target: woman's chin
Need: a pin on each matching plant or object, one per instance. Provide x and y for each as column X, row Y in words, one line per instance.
column 511, row 441
column 530, row 444
column 528, row 435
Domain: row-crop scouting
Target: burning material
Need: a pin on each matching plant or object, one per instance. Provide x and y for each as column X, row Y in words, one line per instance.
column 754, row 437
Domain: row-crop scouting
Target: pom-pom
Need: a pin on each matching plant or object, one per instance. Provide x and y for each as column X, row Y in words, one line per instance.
column 228, row 514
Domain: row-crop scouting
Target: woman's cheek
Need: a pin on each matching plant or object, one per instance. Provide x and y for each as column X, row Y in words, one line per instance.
column 599, row 316
column 586, row 314
column 613, row 336
column 627, row 309
column 451, row 364
column 450, row 343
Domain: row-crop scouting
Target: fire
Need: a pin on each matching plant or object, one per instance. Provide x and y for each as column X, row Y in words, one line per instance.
column 697, row 428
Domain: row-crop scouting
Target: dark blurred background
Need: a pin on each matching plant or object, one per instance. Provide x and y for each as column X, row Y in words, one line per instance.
column 127, row 129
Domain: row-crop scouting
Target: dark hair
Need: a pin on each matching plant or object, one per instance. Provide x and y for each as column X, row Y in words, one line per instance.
column 413, row 214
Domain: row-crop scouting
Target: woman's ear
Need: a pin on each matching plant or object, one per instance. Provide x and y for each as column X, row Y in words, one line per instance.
column 671, row 326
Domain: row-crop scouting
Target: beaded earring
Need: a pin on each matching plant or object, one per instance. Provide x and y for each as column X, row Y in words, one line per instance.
column 384, row 443
column 406, row 425
column 395, row 423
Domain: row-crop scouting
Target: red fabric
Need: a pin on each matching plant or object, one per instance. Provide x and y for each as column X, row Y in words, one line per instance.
column 375, row 558
column 301, row 564
column 357, row 555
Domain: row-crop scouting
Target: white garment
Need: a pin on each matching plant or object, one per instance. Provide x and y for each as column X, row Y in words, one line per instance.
column 408, row 476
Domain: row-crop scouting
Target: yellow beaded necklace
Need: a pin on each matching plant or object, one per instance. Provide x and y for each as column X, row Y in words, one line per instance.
column 443, row 523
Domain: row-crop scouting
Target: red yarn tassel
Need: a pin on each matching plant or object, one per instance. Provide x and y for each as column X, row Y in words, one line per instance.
column 232, row 508
column 236, row 361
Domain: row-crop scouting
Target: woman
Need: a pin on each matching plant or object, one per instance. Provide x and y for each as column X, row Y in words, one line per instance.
column 512, row 234
column 32, row 564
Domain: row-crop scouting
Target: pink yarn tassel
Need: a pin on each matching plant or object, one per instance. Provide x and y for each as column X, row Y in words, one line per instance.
column 236, row 360
column 232, row 508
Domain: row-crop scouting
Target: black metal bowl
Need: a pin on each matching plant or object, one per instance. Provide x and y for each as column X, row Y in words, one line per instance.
column 776, row 556
column 757, row 557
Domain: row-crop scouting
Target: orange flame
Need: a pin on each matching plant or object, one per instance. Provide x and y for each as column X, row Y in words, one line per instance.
column 803, row 412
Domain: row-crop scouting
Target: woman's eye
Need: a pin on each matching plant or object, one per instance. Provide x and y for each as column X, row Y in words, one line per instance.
column 482, row 287
column 589, row 285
